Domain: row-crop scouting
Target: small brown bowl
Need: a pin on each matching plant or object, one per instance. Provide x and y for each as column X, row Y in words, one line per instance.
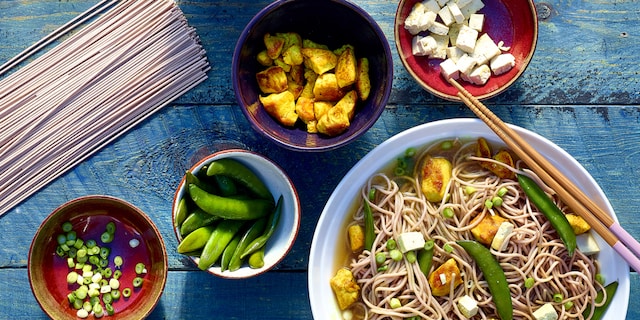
column 89, row 216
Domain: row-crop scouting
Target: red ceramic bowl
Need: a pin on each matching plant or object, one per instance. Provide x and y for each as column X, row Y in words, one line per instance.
column 89, row 216
column 512, row 21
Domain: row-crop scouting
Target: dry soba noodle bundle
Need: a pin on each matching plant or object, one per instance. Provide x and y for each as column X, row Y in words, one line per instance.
column 120, row 68
column 534, row 250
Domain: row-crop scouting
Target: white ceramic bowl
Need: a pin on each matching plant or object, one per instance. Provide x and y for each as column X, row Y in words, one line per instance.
column 278, row 183
column 322, row 259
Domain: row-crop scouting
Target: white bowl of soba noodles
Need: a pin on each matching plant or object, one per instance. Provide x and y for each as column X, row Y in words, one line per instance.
column 423, row 260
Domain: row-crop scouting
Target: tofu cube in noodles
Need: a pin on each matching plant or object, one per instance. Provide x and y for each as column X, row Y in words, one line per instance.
column 587, row 244
column 502, row 63
column 485, row 49
column 468, row 306
column 449, row 69
column 476, row 21
column 546, row 312
column 467, row 39
column 409, row 241
column 499, row 242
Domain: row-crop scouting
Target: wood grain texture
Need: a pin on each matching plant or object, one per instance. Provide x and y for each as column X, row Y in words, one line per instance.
column 581, row 91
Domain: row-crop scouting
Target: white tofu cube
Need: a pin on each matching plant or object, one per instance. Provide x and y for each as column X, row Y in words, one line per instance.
column 423, row 46
column 587, row 244
column 473, row 7
column 410, row 241
column 546, row 312
column 467, row 39
column 454, row 30
column 419, row 20
column 449, row 69
column 502, row 63
column 467, row 306
column 439, row 28
column 476, row 21
column 466, row 64
column 463, row 3
column 480, row 75
column 442, row 43
column 485, row 49
column 454, row 53
column 431, row 6
column 504, row 230
column 446, row 16
column 458, row 17
column 442, row 3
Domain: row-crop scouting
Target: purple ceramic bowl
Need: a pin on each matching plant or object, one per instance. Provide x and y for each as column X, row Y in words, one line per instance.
column 331, row 22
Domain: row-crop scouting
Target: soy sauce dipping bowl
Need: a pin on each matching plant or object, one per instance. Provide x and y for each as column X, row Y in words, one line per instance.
column 279, row 184
column 89, row 216
column 333, row 23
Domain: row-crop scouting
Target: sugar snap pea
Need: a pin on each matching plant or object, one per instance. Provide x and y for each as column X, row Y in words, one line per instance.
column 228, row 252
column 218, row 241
column 238, row 171
column 196, row 219
column 196, row 239
column 254, row 231
column 182, row 211
column 226, row 186
column 256, row 259
column 557, row 219
column 425, row 257
column 493, row 274
column 598, row 312
column 230, row 208
column 260, row 241
column 190, row 178
column 369, row 229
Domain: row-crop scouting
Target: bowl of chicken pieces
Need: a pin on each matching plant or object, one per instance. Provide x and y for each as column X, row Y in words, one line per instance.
column 312, row 75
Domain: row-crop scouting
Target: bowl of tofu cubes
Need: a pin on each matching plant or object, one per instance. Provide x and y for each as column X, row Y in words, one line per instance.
column 312, row 75
column 485, row 45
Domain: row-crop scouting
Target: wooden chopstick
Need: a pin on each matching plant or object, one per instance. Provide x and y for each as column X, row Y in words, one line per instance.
column 618, row 238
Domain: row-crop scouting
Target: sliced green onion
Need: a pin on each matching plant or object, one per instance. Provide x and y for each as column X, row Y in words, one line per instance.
column 395, row 303
column 90, row 243
column 488, row 204
column 600, row 278
column 410, row 152
column 67, row 226
column 558, row 297
column 117, row 274
column 446, row 145
column 448, row 213
column 118, row 261
column 104, row 252
column 469, row 190
column 502, row 192
column 111, row 227
column 411, row 256
column 137, row 282
column 568, row 305
column 109, row 308
column 126, row 292
column 115, row 294
column 529, row 282
column 107, row 273
column 383, row 268
column 447, row 248
column 106, row 237
column 391, row 244
column 395, row 255
column 62, row 239
column 428, row 245
column 72, row 277
column 496, row 201
column 380, row 258
column 107, row 298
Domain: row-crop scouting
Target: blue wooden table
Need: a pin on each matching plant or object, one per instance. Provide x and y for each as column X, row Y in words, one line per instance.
column 581, row 91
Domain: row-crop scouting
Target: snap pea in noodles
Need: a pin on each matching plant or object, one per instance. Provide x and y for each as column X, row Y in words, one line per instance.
column 534, row 250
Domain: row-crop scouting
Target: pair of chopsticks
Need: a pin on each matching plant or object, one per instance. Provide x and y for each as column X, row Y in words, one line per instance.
column 618, row 238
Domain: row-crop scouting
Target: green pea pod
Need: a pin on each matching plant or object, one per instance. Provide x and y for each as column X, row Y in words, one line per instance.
column 197, row 219
column 256, row 259
column 205, row 185
column 182, row 211
column 369, row 229
column 557, row 219
column 598, row 312
column 493, row 274
column 260, row 241
column 256, row 229
column 226, row 186
column 425, row 257
column 195, row 240
column 238, row 171
column 230, row 208
column 228, row 252
column 218, row 241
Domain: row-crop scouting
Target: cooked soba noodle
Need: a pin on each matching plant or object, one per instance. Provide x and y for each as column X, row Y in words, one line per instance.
column 534, row 249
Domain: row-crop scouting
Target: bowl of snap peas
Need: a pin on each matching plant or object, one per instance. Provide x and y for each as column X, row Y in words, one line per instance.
column 97, row 256
column 236, row 214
